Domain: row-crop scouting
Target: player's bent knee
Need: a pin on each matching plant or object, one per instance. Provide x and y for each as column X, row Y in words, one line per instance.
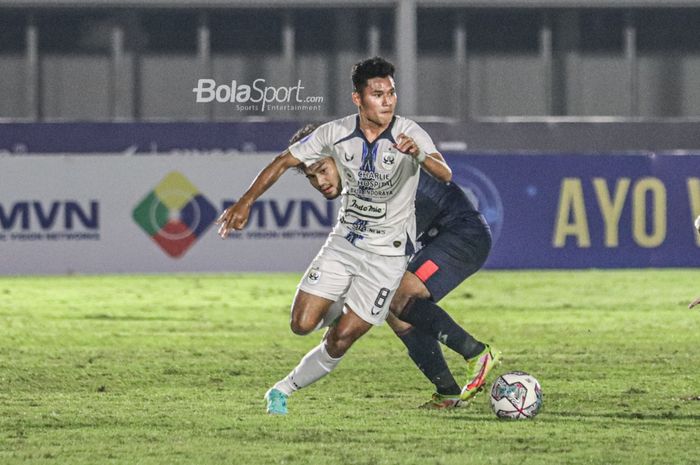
column 301, row 328
column 398, row 304
column 411, row 288
column 397, row 326
column 304, row 322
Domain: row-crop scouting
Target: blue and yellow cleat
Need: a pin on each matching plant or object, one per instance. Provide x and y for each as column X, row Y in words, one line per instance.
column 276, row 402
column 478, row 368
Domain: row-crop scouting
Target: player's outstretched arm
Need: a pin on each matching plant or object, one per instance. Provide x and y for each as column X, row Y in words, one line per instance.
column 236, row 216
column 437, row 167
column 433, row 163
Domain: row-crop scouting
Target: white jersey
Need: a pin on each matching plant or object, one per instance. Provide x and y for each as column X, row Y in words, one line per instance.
column 379, row 182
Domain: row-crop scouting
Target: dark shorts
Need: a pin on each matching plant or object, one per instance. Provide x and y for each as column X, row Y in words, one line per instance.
column 454, row 253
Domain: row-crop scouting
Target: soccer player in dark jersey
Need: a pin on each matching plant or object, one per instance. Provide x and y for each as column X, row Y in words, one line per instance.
column 455, row 242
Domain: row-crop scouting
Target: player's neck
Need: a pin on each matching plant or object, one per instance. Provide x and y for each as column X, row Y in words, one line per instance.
column 370, row 129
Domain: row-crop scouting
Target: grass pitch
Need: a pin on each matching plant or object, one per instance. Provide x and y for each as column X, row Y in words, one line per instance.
column 172, row 370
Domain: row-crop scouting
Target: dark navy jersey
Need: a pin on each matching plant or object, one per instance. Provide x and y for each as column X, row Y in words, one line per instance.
column 440, row 204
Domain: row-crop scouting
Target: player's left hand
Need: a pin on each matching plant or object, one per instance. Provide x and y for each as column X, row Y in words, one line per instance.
column 406, row 145
column 233, row 218
column 694, row 303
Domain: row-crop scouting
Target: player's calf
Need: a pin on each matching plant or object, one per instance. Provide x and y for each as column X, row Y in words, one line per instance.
column 341, row 337
column 316, row 364
column 425, row 352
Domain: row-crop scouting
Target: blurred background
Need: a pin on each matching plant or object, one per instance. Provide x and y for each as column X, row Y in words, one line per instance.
column 463, row 59
column 574, row 124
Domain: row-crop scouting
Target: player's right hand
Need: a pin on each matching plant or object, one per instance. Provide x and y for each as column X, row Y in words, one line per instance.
column 234, row 217
column 406, row 144
column 694, row 303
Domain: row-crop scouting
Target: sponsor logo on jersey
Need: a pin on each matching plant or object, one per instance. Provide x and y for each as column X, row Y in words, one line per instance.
column 365, row 208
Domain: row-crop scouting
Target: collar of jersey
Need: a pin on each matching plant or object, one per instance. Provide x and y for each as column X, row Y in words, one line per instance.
column 357, row 132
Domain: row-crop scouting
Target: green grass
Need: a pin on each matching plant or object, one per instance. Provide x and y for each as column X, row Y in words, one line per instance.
column 172, row 369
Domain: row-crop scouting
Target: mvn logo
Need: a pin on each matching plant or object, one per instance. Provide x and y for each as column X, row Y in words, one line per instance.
column 49, row 216
column 174, row 214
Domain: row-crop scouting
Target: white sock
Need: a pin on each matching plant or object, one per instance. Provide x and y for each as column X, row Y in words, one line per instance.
column 315, row 365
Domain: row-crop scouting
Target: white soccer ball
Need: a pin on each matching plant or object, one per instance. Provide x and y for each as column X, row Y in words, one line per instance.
column 516, row 395
column 697, row 223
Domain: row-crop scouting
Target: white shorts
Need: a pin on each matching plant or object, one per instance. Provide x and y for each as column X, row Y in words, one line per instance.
column 367, row 280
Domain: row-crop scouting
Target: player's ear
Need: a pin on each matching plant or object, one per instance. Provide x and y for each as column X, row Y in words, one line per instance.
column 356, row 99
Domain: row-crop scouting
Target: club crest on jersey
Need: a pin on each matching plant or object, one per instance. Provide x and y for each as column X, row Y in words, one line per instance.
column 388, row 160
column 314, row 276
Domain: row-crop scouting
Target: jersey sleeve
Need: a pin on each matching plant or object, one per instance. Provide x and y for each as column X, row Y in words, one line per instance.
column 313, row 147
column 423, row 140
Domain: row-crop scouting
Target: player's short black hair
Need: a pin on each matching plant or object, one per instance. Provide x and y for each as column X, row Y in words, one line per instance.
column 368, row 69
column 303, row 132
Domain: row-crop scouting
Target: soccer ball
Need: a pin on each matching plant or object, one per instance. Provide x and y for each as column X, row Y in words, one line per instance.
column 516, row 396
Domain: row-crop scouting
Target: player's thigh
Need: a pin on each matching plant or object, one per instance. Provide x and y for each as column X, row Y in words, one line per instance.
column 325, row 281
column 448, row 260
column 308, row 310
column 410, row 288
column 371, row 291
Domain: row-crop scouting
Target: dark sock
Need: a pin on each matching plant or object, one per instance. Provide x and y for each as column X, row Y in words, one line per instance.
column 431, row 319
column 425, row 352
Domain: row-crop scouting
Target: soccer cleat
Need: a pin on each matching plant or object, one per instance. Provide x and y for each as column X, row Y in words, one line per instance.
column 276, row 402
column 440, row 402
column 478, row 368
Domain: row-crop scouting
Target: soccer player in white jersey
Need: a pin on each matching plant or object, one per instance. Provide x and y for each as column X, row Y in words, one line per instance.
column 455, row 241
column 379, row 155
